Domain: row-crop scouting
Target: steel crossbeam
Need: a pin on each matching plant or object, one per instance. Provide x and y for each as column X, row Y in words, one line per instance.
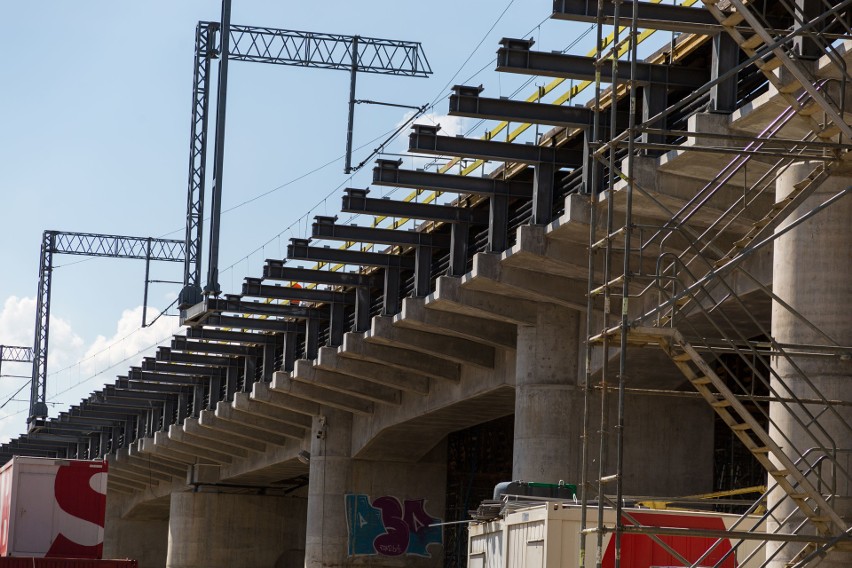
column 516, row 57
column 231, row 336
column 277, row 270
column 257, row 324
column 255, row 287
column 326, row 228
column 187, row 345
column 388, row 172
column 466, row 101
column 15, row 354
column 425, row 139
column 649, row 15
column 327, row 51
column 300, row 249
column 356, row 201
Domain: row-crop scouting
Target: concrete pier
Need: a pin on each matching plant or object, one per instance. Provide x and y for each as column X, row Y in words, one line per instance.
column 221, row 530
column 548, row 405
column 813, row 274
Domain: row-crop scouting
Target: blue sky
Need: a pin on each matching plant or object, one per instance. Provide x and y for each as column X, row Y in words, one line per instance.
column 95, row 120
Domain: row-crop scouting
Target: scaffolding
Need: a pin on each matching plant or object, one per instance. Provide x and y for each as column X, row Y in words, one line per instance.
column 685, row 278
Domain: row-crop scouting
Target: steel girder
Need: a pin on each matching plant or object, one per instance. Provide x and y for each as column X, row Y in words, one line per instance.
column 255, row 287
column 425, row 140
column 327, row 51
column 276, row 270
column 300, row 249
column 516, row 57
column 231, row 336
column 326, row 228
column 650, row 15
column 186, row 345
column 356, row 201
column 388, row 172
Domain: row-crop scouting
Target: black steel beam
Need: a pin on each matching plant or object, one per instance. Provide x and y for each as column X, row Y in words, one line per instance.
column 117, row 412
column 148, row 386
column 424, row 139
column 166, row 354
column 90, row 411
column 45, row 441
column 650, row 16
column 300, row 249
column 258, row 324
column 516, row 57
column 201, row 313
column 231, row 336
column 235, row 304
column 83, row 422
column 151, row 364
column 356, row 201
column 388, row 172
column 181, row 343
column 326, row 228
column 136, row 374
column 465, row 101
column 57, row 427
column 113, row 393
column 255, row 287
column 276, row 270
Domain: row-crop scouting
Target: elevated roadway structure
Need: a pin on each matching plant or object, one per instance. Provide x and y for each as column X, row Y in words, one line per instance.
column 659, row 279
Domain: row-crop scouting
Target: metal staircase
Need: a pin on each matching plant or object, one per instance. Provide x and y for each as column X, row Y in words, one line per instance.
column 693, row 304
column 775, row 51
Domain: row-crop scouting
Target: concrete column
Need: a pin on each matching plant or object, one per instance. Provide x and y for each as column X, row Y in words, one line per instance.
column 365, row 512
column 142, row 537
column 330, row 478
column 218, row 530
column 812, row 271
column 548, row 406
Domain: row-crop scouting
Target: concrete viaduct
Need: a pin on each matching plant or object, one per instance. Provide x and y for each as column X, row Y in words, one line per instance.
column 289, row 418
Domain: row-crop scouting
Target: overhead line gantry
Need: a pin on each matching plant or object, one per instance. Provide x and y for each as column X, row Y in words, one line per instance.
column 355, row 54
column 91, row 245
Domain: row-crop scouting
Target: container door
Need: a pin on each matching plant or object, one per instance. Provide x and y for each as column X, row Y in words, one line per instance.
column 535, row 554
column 34, row 514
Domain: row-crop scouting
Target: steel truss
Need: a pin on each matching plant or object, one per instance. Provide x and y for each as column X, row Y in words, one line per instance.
column 91, row 245
column 15, row 354
column 691, row 285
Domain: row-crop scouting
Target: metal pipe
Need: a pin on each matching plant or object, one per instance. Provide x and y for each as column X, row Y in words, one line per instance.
column 353, row 73
column 212, row 287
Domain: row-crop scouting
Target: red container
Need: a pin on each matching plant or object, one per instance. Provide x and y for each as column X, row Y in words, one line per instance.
column 52, row 508
column 20, row 562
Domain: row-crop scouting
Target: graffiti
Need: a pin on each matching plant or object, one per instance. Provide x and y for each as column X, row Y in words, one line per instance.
column 388, row 527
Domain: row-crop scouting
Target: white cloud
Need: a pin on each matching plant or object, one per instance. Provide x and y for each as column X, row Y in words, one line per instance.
column 74, row 369
column 17, row 320
column 130, row 342
column 17, row 325
column 450, row 125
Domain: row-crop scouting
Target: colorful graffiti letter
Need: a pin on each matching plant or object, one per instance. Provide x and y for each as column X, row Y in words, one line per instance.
column 389, row 528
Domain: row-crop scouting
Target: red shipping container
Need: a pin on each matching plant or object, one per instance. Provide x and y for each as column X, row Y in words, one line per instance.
column 52, row 508
column 15, row 562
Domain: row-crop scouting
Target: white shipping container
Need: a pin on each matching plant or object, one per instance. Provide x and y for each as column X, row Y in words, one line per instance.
column 52, row 507
column 548, row 536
